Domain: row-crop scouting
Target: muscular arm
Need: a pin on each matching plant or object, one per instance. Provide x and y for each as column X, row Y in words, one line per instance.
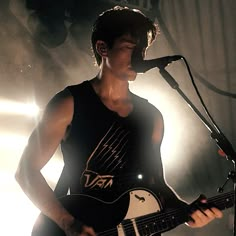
column 200, row 217
column 42, row 144
column 170, row 196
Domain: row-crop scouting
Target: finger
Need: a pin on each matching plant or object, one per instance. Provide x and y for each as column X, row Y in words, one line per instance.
column 212, row 212
column 194, row 223
column 196, row 219
column 218, row 213
column 204, row 207
column 201, row 218
column 199, row 203
column 209, row 214
column 202, row 198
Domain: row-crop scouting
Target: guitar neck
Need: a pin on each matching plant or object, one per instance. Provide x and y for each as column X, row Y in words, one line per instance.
column 162, row 222
column 222, row 201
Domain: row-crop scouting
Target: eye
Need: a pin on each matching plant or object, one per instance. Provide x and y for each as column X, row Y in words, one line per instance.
column 129, row 46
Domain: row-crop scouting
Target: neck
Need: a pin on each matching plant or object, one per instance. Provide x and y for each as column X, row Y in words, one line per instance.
column 114, row 94
column 111, row 88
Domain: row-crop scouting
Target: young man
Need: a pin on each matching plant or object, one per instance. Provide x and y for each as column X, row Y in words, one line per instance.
column 110, row 137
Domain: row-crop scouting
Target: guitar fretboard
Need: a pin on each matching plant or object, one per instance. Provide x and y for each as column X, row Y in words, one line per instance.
column 165, row 221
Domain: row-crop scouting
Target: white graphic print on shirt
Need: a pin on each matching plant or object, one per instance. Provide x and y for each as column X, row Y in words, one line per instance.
column 106, row 158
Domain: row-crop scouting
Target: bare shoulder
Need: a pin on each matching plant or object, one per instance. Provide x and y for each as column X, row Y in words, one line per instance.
column 56, row 118
column 158, row 127
column 156, row 114
column 60, row 107
column 48, row 133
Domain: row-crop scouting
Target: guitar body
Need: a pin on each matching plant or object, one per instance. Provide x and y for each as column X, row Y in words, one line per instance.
column 107, row 218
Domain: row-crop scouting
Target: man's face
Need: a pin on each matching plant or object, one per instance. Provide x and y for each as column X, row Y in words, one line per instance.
column 119, row 57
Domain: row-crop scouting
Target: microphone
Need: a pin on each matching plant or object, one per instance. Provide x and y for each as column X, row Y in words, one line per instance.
column 141, row 66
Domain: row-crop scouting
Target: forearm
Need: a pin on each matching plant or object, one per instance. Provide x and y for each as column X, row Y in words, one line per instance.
column 39, row 192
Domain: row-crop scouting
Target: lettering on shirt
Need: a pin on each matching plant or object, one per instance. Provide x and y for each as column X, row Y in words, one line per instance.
column 101, row 181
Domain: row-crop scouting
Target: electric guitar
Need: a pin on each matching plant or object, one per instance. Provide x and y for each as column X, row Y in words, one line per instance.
column 135, row 213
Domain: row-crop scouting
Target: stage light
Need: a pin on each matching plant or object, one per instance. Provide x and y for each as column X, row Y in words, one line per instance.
column 12, row 141
column 140, row 176
column 17, row 108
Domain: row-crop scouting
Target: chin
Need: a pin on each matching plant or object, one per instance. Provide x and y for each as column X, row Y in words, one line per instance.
column 132, row 79
column 132, row 76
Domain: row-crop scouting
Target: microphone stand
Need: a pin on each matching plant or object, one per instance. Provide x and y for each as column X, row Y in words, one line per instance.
column 220, row 139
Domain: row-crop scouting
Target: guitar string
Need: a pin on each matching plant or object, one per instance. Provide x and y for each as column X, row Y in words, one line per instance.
column 129, row 225
column 221, row 200
column 159, row 216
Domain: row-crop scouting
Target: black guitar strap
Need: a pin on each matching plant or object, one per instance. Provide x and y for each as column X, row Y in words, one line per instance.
column 62, row 187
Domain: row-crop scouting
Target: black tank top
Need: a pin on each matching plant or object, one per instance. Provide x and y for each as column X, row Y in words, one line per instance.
column 106, row 154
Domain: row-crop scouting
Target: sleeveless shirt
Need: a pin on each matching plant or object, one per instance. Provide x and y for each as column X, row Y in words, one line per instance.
column 105, row 154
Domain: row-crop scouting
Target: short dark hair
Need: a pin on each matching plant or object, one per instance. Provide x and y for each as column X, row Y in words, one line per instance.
column 118, row 21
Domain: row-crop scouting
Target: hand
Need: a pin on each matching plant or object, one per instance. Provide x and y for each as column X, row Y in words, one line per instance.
column 79, row 229
column 203, row 213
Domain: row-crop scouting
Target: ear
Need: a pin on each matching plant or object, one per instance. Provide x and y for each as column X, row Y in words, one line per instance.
column 101, row 47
